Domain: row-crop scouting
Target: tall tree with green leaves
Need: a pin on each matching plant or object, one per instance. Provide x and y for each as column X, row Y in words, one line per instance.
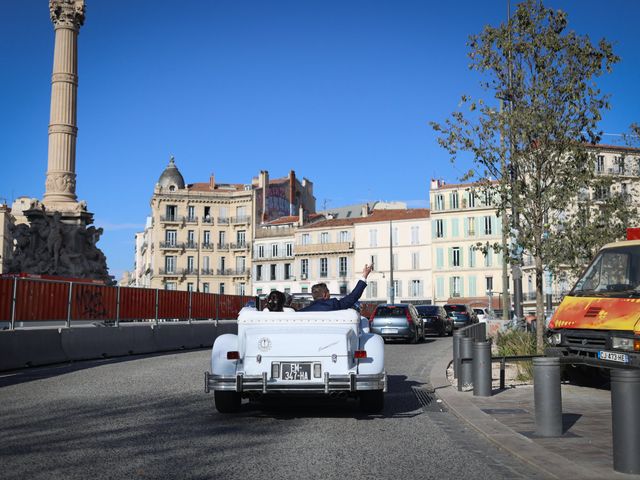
column 535, row 143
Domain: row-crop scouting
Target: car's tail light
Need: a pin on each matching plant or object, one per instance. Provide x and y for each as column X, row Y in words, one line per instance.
column 233, row 355
column 360, row 354
column 409, row 319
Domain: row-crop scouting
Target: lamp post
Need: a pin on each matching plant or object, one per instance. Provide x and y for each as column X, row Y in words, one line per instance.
column 392, row 290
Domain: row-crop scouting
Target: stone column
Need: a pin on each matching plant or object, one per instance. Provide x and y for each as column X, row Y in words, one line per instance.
column 60, row 190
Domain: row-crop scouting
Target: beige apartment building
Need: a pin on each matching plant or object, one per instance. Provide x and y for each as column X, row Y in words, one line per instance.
column 401, row 237
column 201, row 233
column 463, row 218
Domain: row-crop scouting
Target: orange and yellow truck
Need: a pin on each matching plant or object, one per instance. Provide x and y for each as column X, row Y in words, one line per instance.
column 598, row 322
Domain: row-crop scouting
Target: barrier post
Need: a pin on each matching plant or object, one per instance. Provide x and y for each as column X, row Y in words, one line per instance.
column 625, row 419
column 217, row 300
column 457, row 335
column 118, row 307
column 547, row 396
column 466, row 359
column 13, row 303
column 69, row 300
column 482, row 368
column 190, row 295
column 157, row 298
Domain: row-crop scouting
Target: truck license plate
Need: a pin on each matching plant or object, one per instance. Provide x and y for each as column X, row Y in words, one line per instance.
column 296, row 371
column 613, row 356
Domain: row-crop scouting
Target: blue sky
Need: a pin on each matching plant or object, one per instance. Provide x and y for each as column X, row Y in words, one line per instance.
column 340, row 91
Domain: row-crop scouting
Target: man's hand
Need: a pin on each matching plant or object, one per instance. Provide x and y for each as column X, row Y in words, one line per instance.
column 367, row 270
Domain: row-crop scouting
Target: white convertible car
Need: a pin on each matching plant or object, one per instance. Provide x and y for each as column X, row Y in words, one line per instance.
column 326, row 353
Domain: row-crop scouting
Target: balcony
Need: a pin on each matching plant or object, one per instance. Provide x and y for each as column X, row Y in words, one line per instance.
column 240, row 220
column 223, row 247
column 191, row 245
column 223, row 220
column 171, row 219
column 207, row 271
column 189, row 271
column 171, row 246
column 208, row 219
column 190, row 219
column 238, row 272
column 240, row 246
column 274, row 232
column 324, row 248
column 170, row 272
column 206, row 246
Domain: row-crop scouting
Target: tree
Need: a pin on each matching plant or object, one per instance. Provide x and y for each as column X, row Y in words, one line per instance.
column 536, row 143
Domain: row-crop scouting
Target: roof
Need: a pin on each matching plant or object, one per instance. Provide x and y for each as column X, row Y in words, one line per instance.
column 375, row 216
column 171, row 176
column 206, row 187
column 293, row 219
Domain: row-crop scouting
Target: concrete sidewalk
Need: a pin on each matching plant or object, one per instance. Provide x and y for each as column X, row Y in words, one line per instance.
column 508, row 419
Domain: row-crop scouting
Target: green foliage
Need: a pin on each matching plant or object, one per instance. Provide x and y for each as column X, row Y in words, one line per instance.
column 518, row 342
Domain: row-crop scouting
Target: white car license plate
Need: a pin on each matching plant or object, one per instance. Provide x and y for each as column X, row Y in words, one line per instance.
column 613, row 356
column 296, row 371
column 389, row 330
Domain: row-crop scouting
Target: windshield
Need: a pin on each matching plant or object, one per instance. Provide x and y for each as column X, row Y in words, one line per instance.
column 615, row 272
column 427, row 310
column 390, row 312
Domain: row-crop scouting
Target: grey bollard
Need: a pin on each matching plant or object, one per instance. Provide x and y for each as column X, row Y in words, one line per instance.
column 457, row 335
column 466, row 359
column 547, row 396
column 482, row 369
column 625, row 417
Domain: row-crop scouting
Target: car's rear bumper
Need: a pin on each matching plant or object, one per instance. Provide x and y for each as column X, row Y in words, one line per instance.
column 393, row 332
column 352, row 382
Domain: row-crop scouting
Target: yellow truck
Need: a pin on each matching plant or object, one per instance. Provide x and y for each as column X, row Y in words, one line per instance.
column 598, row 322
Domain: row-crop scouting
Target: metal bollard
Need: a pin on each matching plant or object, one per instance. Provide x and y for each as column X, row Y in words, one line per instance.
column 466, row 359
column 625, row 417
column 547, row 396
column 482, row 369
column 457, row 335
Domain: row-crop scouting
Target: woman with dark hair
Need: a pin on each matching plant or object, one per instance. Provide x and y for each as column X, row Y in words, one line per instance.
column 276, row 302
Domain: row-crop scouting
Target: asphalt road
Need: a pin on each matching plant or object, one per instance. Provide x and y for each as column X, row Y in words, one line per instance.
column 148, row 417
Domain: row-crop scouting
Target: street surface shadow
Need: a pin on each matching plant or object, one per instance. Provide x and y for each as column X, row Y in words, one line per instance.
column 400, row 402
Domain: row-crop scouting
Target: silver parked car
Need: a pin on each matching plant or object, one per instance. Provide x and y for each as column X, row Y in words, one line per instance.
column 397, row 321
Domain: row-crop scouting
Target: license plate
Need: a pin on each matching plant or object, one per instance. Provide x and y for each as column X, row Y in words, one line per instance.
column 295, row 371
column 613, row 356
column 389, row 330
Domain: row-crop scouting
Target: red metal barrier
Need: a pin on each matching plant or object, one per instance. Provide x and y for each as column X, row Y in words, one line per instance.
column 230, row 305
column 93, row 302
column 137, row 303
column 203, row 305
column 173, row 304
column 367, row 308
column 41, row 300
column 6, row 295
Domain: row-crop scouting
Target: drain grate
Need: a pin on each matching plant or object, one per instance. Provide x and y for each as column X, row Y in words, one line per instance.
column 428, row 400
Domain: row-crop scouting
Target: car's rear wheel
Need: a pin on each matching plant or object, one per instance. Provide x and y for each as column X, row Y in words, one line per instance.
column 227, row 402
column 414, row 339
column 371, row 401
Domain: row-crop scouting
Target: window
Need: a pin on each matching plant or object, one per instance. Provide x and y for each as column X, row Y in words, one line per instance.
column 487, row 225
column 170, row 286
column 190, row 264
column 472, row 257
column 272, row 271
column 287, row 271
column 304, row 268
column 241, row 236
column 344, row 236
column 205, row 287
column 373, row 238
column 207, row 214
column 189, row 286
column 222, row 238
column 170, row 237
column 258, row 272
column 488, row 258
column 454, row 200
column 489, row 284
column 288, row 247
column 342, row 266
column 439, row 229
column 601, row 192
column 170, row 264
column 222, row 263
column 172, row 213
column 241, row 288
column 600, row 164
column 373, row 261
column 488, row 198
column 620, row 164
column 397, row 291
column 191, row 238
column 455, row 287
column 324, row 237
column 221, row 289
column 455, row 256
column 206, row 237
column 343, row 289
column 415, row 260
column 241, row 212
column 471, row 222
column 191, row 213
column 241, row 264
column 439, row 202
column 274, row 250
column 394, row 235
column 205, row 264
column 372, row 289
column 472, row 199
column 415, row 235
column 324, row 267
column 222, row 212
column 415, row 288
column 394, row 261
column 260, row 251
column 305, row 239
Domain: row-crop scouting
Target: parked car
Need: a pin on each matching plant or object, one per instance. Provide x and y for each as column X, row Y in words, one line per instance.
column 482, row 313
column 298, row 353
column 435, row 320
column 463, row 315
column 397, row 321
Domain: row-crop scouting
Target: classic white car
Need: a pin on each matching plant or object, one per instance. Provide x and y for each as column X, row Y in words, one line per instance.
column 326, row 353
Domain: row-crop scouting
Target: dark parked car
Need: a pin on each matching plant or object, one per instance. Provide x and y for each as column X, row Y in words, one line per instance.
column 435, row 319
column 397, row 321
column 463, row 315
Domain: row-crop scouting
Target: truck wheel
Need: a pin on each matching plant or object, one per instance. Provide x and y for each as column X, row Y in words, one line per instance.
column 227, row 402
column 371, row 401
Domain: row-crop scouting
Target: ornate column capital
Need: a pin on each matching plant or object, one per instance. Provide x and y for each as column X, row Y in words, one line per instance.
column 67, row 13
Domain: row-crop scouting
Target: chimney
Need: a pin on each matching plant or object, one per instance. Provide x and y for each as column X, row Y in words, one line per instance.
column 365, row 210
column 300, row 216
column 212, row 182
column 292, row 192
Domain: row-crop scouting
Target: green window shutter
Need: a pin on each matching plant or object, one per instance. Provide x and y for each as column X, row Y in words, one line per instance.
column 450, row 286
column 499, row 225
column 433, row 229
column 472, row 257
column 444, row 229
column 454, row 228
column 489, row 256
column 462, row 286
column 479, row 227
column 461, row 257
column 450, row 263
column 494, row 225
column 466, row 227
column 472, row 286
column 440, row 287
column 439, row 258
